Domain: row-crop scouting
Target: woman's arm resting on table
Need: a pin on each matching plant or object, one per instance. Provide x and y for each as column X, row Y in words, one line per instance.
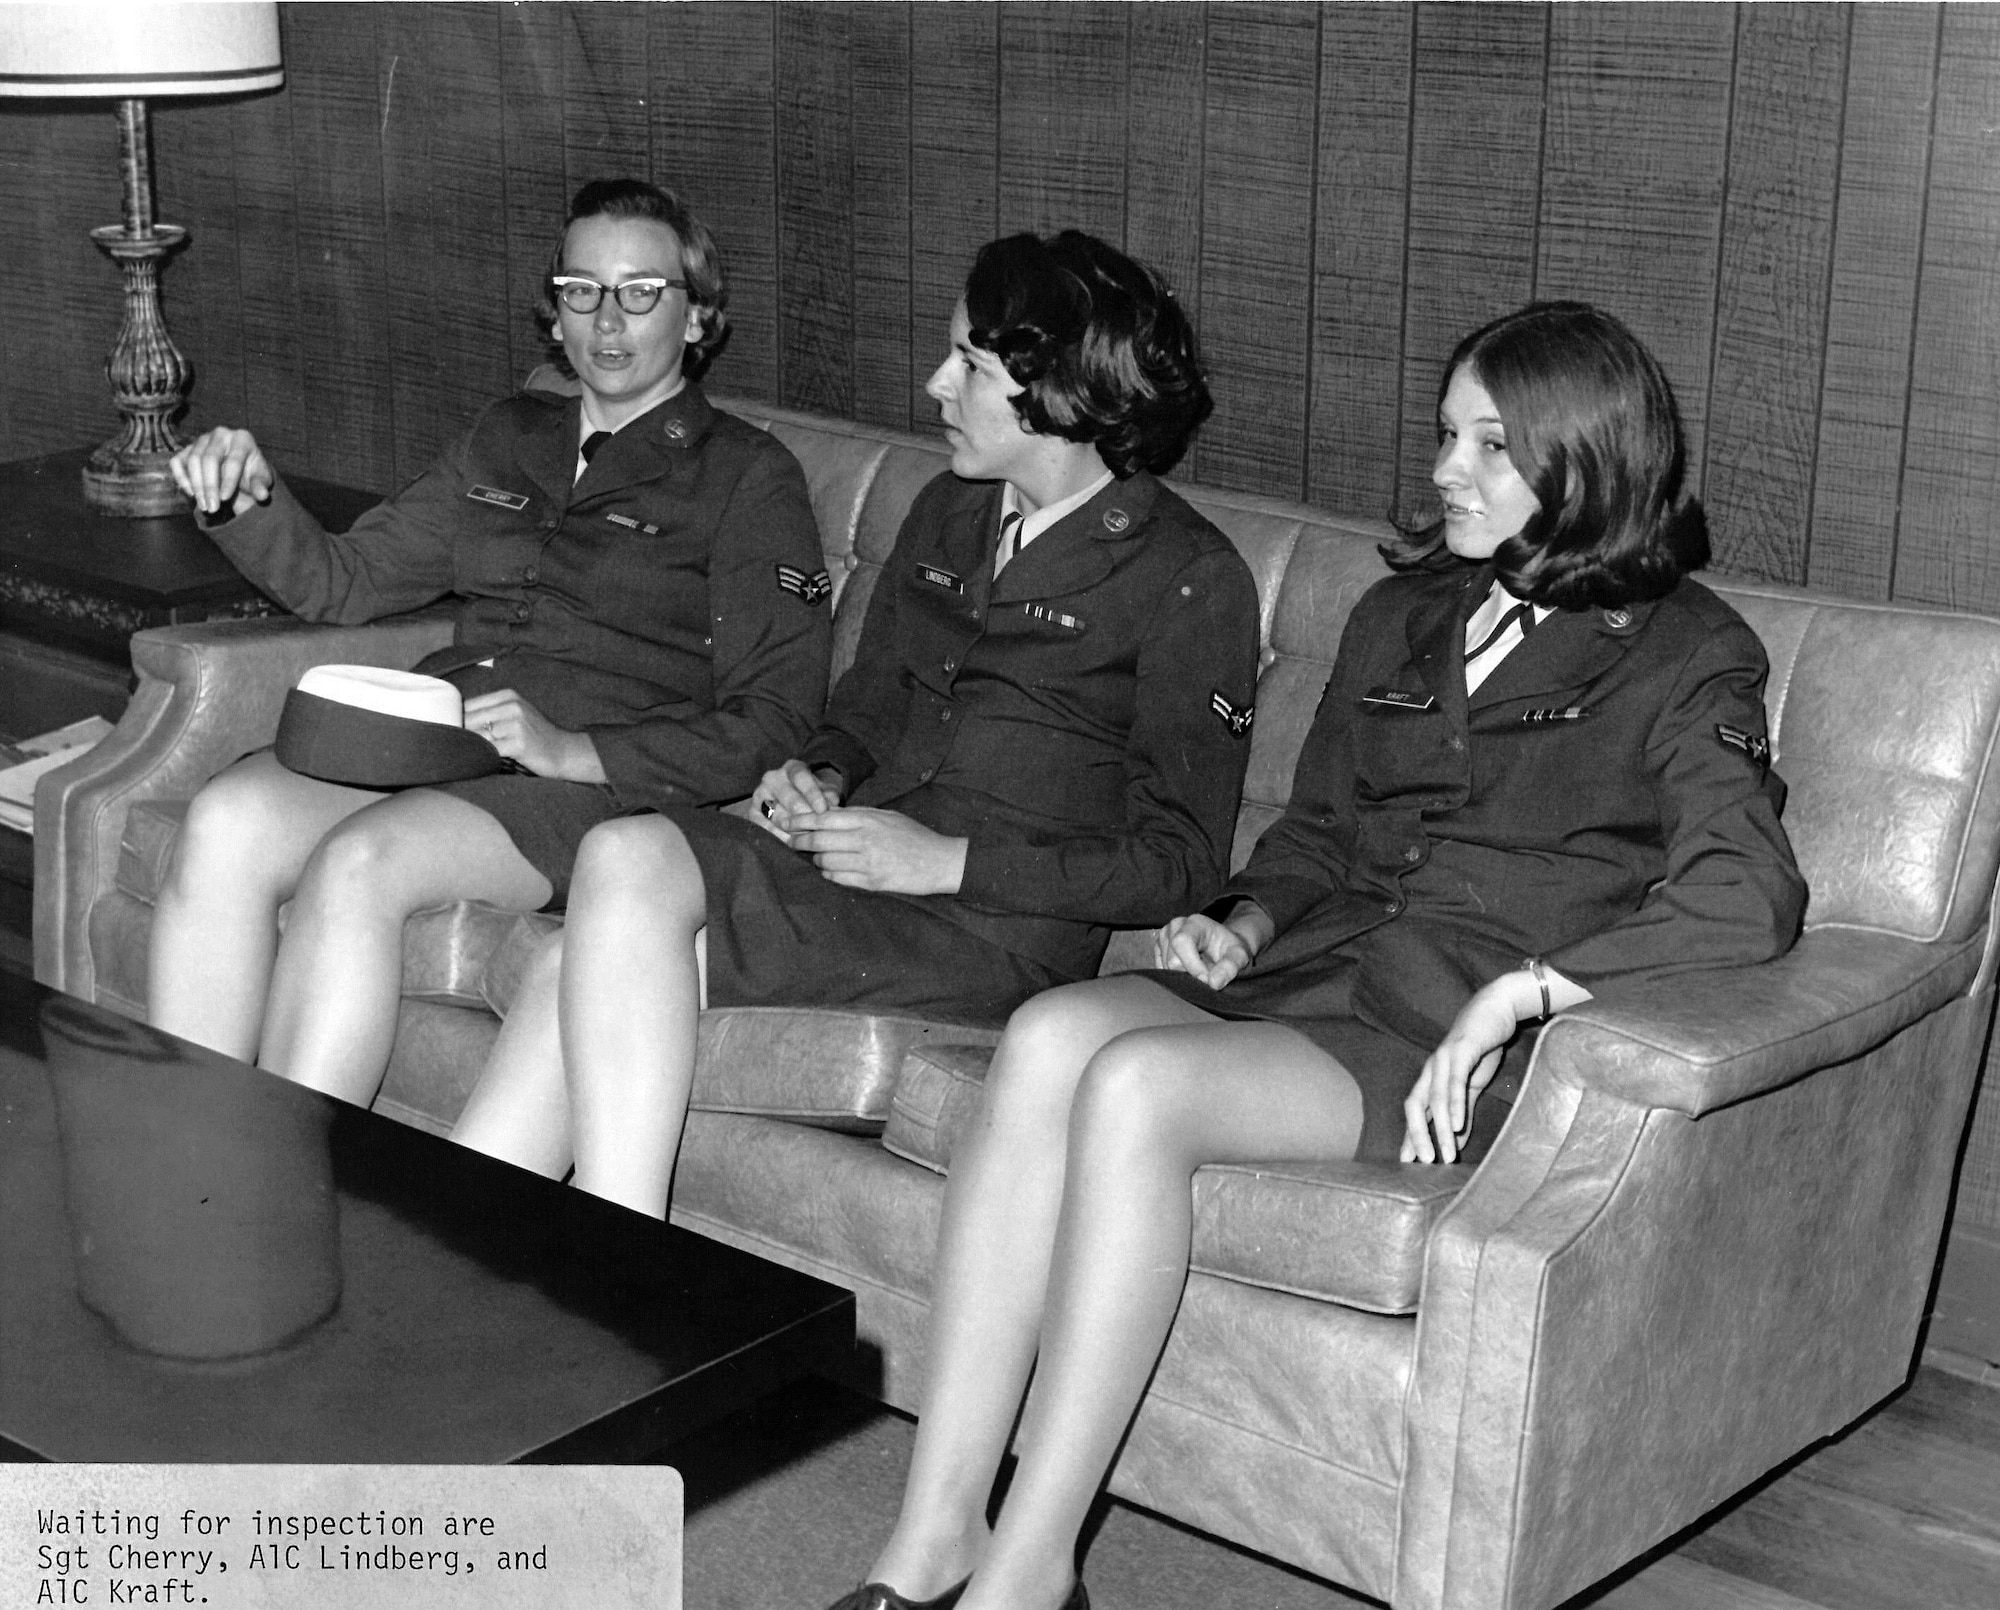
column 223, row 466
column 1465, row 1061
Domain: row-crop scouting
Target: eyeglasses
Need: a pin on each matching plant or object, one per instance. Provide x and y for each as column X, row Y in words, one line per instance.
column 581, row 295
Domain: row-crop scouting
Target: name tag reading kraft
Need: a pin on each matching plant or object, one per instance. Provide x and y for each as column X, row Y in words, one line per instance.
column 498, row 498
column 1399, row 699
column 941, row 578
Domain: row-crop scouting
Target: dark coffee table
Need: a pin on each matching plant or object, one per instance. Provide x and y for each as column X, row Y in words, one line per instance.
column 200, row 1262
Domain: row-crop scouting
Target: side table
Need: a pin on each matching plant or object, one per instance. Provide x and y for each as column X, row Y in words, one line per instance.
column 75, row 585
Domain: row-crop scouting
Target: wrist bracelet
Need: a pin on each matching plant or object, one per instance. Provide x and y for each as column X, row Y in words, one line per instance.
column 1539, row 971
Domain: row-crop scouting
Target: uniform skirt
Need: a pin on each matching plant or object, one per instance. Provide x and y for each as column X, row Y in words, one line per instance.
column 544, row 816
column 779, row 934
column 1320, row 1002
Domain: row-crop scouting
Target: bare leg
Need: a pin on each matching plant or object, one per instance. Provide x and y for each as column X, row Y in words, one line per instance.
column 631, row 992
column 215, row 925
column 519, row 1110
column 1152, row 1106
column 992, row 1270
column 338, row 980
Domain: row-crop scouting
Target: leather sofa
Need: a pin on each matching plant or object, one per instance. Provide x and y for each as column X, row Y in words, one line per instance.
column 1703, row 1241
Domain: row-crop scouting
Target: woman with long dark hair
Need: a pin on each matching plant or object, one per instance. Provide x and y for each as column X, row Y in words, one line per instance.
column 1539, row 768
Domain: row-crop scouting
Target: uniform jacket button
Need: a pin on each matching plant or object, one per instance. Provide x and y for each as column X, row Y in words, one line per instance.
column 1413, row 855
column 950, row 666
column 944, row 715
column 531, row 575
column 520, row 612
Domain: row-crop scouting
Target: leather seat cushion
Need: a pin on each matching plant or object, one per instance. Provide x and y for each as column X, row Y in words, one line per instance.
column 1351, row 1233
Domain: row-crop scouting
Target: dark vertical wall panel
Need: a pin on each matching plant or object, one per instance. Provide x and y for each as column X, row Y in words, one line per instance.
column 1167, row 73
column 711, row 95
column 1632, row 177
column 815, row 146
column 1951, row 489
column 1062, row 118
column 532, row 178
column 605, row 91
column 1257, row 239
column 343, row 238
column 1777, row 256
column 1475, row 185
column 450, row 318
column 1362, row 225
column 266, row 248
column 884, row 331
column 1877, row 243
column 954, row 176
column 58, row 181
column 201, row 291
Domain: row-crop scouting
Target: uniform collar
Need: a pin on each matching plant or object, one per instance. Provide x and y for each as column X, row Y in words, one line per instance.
column 647, row 447
column 1081, row 548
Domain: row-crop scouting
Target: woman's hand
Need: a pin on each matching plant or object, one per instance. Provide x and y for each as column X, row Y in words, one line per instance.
column 793, row 789
column 1212, row 951
column 859, row 847
column 1465, row 1061
column 524, row 735
column 1463, row 1065
column 221, row 466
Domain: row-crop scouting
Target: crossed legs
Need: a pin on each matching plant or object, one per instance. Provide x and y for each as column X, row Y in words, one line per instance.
column 596, row 1058
column 1064, row 1250
column 318, row 1006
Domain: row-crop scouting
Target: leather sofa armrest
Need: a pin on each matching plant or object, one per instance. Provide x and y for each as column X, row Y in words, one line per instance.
column 207, row 695
column 1697, row 1041
column 1705, row 1232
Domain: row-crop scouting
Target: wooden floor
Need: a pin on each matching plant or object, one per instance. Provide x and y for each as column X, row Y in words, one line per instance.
column 1902, row 1512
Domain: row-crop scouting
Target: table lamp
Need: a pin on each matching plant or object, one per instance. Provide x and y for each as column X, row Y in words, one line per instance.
column 128, row 53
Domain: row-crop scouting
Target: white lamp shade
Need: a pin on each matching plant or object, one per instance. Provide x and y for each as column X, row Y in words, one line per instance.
column 138, row 51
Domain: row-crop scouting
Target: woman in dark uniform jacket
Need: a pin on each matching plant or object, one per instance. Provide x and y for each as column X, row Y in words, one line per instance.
column 639, row 619
column 1015, row 763
column 1499, row 811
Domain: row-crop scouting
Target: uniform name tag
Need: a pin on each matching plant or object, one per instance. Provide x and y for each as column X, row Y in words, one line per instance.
column 809, row 588
column 941, row 578
column 1055, row 617
column 1400, row 699
column 1236, row 718
column 1758, row 749
column 631, row 524
column 1567, row 712
column 498, row 498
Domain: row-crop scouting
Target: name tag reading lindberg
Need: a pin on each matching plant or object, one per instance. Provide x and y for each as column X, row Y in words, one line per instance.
column 498, row 498
column 941, row 578
column 1399, row 699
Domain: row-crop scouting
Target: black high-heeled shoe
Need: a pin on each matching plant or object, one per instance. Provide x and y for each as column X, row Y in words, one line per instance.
column 1078, row 1599
column 880, row 1596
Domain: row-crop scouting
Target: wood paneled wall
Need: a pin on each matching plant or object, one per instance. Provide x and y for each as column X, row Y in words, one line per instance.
column 1798, row 206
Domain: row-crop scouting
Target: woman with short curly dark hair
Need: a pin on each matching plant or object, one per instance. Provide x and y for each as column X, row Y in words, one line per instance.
column 1042, row 737
column 1502, row 808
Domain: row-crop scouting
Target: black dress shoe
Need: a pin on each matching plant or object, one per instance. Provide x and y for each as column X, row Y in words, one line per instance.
column 1078, row 1599
column 880, row 1596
